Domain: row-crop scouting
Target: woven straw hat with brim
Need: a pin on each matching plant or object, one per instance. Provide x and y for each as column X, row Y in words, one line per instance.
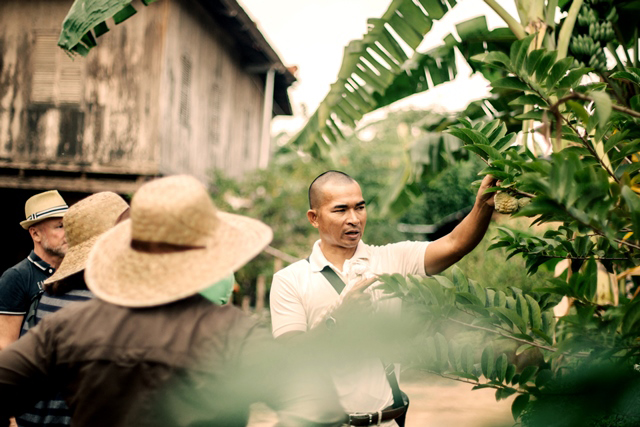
column 175, row 244
column 49, row 204
column 83, row 224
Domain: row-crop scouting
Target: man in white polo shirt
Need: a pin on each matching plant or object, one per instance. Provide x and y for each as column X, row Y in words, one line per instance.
column 304, row 294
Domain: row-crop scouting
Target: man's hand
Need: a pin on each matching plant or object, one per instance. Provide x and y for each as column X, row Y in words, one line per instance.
column 355, row 298
column 357, row 290
column 486, row 198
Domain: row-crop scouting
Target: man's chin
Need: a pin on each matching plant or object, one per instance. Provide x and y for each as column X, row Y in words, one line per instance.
column 351, row 243
column 57, row 252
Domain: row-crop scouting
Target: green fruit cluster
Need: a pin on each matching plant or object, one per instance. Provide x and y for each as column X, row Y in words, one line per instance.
column 601, row 31
column 598, row 61
column 587, row 16
column 584, row 45
column 593, row 32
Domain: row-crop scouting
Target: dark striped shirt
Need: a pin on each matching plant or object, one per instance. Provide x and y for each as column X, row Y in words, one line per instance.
column 54, row 412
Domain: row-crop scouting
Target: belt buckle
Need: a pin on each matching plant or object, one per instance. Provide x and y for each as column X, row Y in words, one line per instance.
column 360, row 414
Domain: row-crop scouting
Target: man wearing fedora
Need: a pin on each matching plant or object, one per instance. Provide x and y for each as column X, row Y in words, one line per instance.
column 149, row 350
column 22, row 284
column 83, row 223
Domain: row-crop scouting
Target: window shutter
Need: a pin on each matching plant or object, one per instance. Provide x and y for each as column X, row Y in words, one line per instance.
column 57, row 79
column 44, row 67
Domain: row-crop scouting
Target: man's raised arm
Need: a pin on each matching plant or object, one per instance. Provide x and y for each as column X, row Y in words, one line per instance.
column 449, row 249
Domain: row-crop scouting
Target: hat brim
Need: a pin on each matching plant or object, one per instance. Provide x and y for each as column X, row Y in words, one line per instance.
column 74, row 260
column 121, row 275
column 28, row 223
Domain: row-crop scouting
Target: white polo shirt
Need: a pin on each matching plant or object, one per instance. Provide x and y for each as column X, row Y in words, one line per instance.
column 300, row 294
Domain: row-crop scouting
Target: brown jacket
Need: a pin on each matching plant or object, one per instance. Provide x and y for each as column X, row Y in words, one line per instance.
column 186, row 363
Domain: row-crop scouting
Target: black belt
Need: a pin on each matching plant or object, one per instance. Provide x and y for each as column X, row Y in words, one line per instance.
column 375, row 418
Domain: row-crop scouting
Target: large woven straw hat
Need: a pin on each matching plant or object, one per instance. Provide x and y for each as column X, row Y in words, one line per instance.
column 83, row 224
column 174, row 245
column 49, row 204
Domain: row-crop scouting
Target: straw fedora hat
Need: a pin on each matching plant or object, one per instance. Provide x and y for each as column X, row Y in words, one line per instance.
column 83, row 224
column 49, row 204
column 174, row 245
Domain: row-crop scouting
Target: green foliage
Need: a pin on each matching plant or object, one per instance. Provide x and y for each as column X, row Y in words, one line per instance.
column 586, row 195
column 486, row 264
column 447, row 192
column 515, row 314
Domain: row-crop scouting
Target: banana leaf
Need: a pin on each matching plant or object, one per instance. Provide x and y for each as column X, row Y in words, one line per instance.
column 362, row 88
column 86, row 21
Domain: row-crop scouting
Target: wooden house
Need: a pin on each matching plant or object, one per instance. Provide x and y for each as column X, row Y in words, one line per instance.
column 184, row 86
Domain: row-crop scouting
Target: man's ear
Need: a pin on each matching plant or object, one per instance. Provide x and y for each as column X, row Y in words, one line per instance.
column 34, row 231
column 312, row 216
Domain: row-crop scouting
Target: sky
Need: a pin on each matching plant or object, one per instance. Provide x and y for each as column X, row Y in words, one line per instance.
column 312, row 34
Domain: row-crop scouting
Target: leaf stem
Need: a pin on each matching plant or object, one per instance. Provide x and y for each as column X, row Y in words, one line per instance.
column 467, row 381
column 511, row 22
column 567, row 28
column 523, row 193
column 550, row 14
column 482, row 328
column 581, row 257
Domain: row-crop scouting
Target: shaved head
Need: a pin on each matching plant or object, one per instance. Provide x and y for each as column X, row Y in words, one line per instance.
column 328, row 177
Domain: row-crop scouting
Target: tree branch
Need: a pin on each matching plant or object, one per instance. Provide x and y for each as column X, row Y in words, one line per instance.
column 576, row 95
column 282, row 255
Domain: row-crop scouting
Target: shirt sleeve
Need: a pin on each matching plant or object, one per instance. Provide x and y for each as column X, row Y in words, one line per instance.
column 25, row 372
column 407, row 257
column 287, row 311
column 14, row 297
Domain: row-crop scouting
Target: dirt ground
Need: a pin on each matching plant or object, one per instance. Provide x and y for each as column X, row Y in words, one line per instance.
column 435, row 402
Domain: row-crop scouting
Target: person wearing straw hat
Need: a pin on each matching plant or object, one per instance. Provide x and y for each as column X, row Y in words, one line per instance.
column 21, row 285
column 149, row 350
column 83, row 223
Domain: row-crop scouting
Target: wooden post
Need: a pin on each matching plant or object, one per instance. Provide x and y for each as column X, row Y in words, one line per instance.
column 261, row 289
column 277, row 265
column 246, row 304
